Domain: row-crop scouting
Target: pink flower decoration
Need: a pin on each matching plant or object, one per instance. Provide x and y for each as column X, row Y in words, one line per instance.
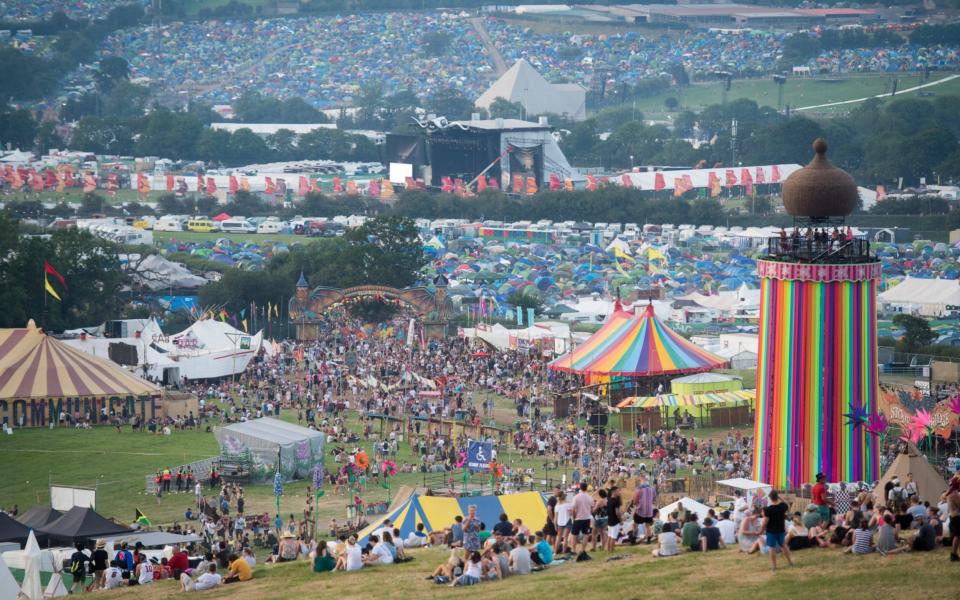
column 877, row 424
column 955, row 404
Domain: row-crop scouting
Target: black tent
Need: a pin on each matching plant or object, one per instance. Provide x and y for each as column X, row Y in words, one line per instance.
column 39, row 517
column 12, row 530
column 82, row 524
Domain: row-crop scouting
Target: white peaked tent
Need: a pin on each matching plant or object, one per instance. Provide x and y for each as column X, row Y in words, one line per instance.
column 689, row 505
column 9, row 590
column 522, row 83
column 31, row 576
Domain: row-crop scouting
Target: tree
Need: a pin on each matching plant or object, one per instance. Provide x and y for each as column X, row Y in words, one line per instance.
column 526, row 298
column 47, row 138
column 283, row 144
column 916, row 332
column 501, row 108
column 451, row 103
column 111, row 70
column 17, row 128
column 388, row 251
column 247, row 147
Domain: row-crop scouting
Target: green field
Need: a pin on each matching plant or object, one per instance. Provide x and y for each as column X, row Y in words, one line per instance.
column 163, row 237
column 797, row 92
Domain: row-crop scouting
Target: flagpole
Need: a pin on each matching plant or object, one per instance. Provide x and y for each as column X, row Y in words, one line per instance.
column 43, row 292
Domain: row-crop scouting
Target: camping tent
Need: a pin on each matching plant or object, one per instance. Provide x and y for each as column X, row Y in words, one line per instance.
column 82, row 524
column 637, row 345
column 12, row 530
column 689, row 505
column 31, row 577
column 929, row 483
column 39, row 516
column 265, row 441
column 437, row 512
column 8, row 585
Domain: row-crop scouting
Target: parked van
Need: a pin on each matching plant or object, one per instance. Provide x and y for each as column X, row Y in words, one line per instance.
column 201, row 225
column 237, row 226
column 168, row 224
column 270, row 226
column 133, row 237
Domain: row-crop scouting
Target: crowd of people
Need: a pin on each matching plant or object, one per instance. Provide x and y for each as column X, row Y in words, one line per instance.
column 41, row 10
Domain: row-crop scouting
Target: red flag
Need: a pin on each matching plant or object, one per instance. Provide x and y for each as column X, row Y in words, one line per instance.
column 304, row 186
column 89, row 183
column 604, row 180
column 170, row 183
column 36, row 181
column 49, row 270
column 337, row 186
column 481, row 183
column 200, row 185
column 446, row 184
column 234, row 185
column 458, row 187
column 731, row 178
column 373, row 188
column 493, row 184
column 761, row 178
column 555, row 183
column 17, row 179
column 687, row 183
column 143, row 184
column 776, row 175
column 745, row 177
column 658, row 182
column 113, row 184
column 714, row 184
column 50, row 178
column 271, row 189
column 626, row 181
column 410, row 183
column 68, row 176
column 518, row 184
column 591, row 183
column 211, row 186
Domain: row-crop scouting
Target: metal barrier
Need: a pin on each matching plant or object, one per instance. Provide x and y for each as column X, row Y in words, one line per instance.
column 808, row 249
column 201, row 470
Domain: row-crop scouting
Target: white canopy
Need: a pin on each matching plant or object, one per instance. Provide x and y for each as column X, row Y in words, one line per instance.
column 8, row 585
column 689, row 505
column 747, row 485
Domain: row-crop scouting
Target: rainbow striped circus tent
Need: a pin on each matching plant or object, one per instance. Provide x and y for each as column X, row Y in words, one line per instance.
column 36, row 366
column 636, row 345
column 437, row 513
column 677, row 400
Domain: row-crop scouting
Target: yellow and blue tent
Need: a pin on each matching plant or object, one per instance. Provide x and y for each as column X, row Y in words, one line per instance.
column 437, row 513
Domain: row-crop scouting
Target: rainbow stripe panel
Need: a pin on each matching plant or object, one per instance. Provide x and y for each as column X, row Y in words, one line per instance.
column 817, row 361
column 637, row 345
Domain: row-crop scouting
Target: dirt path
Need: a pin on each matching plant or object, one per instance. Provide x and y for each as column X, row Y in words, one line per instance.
column 499, row 65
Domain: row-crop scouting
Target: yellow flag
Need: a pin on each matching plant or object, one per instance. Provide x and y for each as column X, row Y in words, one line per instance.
column 245, row 328
column 619, row 253
column 49, row 288
column 269, row 309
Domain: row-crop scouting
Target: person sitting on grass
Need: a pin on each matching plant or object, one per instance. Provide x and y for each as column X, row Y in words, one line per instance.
column 862, row 539
column 668, row 542
column 691, row 533
column 323, row 562
column 380, row 554
column 710, row 538
column 208, row 580
column 471, row 571
column 239, row 570
column 417, row 538
column 520, row 557
column 448, row 570
column 543, row 551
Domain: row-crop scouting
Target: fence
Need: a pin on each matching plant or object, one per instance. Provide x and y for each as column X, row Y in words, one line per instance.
column 201, row 470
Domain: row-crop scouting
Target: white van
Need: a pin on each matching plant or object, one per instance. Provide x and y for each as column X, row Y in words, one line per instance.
column 134, row 237
column 270, row 226
column 237, row 226
column 168, row 224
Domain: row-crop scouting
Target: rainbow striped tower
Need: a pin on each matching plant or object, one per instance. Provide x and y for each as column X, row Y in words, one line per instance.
column 818, row 338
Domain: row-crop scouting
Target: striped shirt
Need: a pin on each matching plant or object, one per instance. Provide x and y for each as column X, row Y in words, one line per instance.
column 861, row 541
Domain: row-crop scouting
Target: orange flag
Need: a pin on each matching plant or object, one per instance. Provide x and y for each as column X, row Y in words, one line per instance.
column 352, row 187
column 481, row 184
column 245, row 184
column 143, row 184
column 234, row 185
column 568, row 184
column 591, row 183
column 304, row 186
column 518, row 184
column 386, row 188
column 531, row 186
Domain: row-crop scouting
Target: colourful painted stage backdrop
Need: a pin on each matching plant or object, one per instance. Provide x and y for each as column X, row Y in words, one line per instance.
column 817, row 364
